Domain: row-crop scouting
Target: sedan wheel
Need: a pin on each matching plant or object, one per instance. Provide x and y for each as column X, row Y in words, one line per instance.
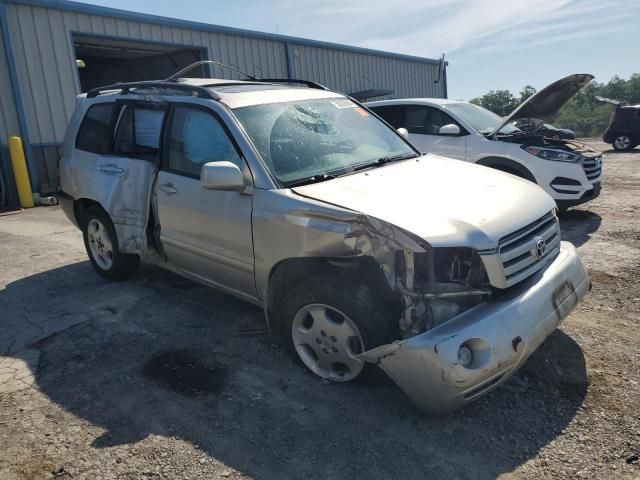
column 327, row 341
column 622, row 142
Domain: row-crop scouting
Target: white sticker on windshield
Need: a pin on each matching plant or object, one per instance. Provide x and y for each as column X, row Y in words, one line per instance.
column 343, row 103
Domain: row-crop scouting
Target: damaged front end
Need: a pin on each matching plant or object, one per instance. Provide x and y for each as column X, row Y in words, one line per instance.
column 462, row 339
column 438, row 285
column 467, row 318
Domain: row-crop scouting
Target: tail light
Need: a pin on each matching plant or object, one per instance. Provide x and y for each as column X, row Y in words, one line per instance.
column 613, row 117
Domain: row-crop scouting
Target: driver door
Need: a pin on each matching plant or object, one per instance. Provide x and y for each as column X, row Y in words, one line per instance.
column 423, row 124
column 206, row 234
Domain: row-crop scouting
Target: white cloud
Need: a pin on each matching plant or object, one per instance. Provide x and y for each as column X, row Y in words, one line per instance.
column 432, row 27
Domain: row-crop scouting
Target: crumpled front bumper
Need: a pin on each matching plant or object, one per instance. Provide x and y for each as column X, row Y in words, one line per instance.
column 501, row 333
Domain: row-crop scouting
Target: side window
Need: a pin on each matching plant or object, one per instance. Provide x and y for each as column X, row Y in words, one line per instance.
column 426, row 120
column 94, row 134
column 394, row 115
column 139, row 129
column 197, row 137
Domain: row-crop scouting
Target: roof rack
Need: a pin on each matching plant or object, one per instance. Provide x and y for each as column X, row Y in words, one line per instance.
column 171, row 83
column 308, row 83
column 125, row 88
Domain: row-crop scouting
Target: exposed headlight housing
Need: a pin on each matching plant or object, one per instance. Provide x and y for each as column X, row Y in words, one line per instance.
column 554, row 155
column 465, row 356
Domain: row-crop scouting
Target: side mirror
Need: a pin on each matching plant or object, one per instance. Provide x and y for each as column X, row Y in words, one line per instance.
column 404, row 132
column 449, row 129
column 224, row 176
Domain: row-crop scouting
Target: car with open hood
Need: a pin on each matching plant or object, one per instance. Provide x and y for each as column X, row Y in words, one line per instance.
column 365, row 254
column 568, row 171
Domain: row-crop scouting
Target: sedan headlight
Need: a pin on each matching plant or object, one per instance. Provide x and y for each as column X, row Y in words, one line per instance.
column 555, row 155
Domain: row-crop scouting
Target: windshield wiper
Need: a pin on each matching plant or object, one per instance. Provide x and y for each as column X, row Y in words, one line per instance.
column 313, row 179
column 384, row 160
column 330, row 176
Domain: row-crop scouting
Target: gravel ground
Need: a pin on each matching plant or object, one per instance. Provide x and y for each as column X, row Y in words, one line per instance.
column 160, row 378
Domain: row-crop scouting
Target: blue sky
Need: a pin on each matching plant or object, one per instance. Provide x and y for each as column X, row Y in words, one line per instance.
column 496, row 44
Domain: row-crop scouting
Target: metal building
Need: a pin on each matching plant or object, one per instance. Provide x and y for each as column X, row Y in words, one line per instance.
column 52, row 50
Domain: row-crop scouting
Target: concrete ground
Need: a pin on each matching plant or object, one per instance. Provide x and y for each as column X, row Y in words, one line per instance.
column 159, row 378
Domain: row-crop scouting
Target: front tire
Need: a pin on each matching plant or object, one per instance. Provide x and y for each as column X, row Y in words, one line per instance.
column 101, row 243
column 329, row 320
column 622, row 143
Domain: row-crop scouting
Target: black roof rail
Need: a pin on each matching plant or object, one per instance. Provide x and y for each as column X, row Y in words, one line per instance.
column 125, row 88
column 308, row 83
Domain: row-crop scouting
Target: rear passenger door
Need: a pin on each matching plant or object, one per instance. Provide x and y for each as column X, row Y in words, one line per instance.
column 204, row 233
column 115, row 159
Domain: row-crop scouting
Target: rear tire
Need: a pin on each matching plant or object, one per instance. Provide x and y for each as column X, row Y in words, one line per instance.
column 622, row 143
column 101, row 243
column 331, row 318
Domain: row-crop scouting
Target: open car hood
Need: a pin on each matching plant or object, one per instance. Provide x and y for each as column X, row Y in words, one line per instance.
column 545, row 104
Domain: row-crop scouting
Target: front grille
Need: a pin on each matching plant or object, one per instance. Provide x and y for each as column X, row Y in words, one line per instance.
column 519, row 253
column 592, row 167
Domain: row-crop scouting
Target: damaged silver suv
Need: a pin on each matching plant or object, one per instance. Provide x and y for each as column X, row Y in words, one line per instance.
column 363, row 253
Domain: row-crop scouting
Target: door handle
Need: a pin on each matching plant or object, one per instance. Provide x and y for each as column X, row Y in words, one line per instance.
column 111, row 168
column 168, row 188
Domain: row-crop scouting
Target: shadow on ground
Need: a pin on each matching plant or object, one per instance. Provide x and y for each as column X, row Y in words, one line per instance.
column 577, row 226
column 161, row 355
column 615, row 152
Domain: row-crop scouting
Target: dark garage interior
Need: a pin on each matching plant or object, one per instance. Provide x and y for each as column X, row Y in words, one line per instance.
column 101, row 61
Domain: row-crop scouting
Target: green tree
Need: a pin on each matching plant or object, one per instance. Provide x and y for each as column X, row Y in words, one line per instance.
column 501, row 102
column 583, row 113
column 526, row 92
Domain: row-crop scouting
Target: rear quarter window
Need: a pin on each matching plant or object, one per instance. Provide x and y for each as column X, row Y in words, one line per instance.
column 95, row 132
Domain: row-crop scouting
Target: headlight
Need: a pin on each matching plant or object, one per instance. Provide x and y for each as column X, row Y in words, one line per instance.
column 555, row 155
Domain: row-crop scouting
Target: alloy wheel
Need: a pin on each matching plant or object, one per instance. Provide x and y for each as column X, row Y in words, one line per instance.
column 622, row 142
column 100, row 244
column 327, row 342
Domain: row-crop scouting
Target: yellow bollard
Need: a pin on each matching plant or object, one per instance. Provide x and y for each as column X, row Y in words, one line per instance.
column 20, row 172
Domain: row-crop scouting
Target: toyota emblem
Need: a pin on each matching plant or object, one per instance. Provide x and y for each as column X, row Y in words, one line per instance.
column 541, row 247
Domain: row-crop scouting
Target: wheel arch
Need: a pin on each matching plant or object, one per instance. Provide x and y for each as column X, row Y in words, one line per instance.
column 80, row 208
column 634, row 137
column 290, row 272
column 508, row 165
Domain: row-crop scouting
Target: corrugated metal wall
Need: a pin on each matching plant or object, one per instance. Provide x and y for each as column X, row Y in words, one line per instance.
column 8, row 118
column 350, row 72
column 41, row 38
column 45, row 58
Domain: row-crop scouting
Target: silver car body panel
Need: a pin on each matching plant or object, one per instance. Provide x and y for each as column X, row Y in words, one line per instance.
column 235, row 240
column 306, row 228
column 507, row 331
column 121, row 185
column 482, row 205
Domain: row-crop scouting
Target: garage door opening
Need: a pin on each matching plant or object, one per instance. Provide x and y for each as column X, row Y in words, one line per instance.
column 102, row 61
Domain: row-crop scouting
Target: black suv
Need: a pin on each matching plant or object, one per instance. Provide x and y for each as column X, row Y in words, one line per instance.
column 623, row 132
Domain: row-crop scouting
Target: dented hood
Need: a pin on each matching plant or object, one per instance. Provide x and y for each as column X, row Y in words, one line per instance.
column 444, row 201
column 545, row 104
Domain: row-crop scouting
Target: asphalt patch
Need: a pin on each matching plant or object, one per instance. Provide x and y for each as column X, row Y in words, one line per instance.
column 182, row 372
